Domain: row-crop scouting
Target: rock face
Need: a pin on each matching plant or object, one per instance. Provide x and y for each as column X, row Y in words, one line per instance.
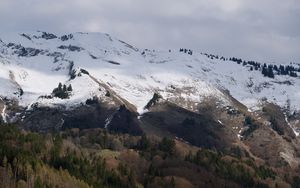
column 124, row 121
column 44, row 119
column 93, row 114
column 197, row 129
column 48, row 36
column 22, row 51
column 70, row 48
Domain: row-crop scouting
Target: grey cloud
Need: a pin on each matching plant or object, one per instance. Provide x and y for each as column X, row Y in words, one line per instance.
column 264, row 30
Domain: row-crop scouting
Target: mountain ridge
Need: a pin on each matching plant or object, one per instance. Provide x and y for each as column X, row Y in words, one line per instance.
column 32, row 65
column 127, row 57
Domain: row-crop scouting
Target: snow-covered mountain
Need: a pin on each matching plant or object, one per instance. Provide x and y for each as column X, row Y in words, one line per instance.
column 33, row 64
column 67, row 82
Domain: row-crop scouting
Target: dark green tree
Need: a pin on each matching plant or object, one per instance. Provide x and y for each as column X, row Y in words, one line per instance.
column 143, row 143
column 70, row 88
column 64, row 88
column 59, row 86
column 167, row 145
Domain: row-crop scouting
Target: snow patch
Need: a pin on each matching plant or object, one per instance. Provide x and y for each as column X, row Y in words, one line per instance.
column 291, row 126
column 108, row 120
column 4, row 115
column 220, row 122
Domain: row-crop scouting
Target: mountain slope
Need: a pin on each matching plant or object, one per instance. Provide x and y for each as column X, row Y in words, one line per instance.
column 85, row 81
column 37, row 62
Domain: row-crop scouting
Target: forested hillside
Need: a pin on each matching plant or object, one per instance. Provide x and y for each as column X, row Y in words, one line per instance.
column 97, row 158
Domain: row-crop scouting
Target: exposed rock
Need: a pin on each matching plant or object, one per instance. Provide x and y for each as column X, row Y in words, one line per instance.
column 26, row 36
column 125, row 121
column 48, row 36
column 195, row 128
column 28, row 52
column 113, row 62
column 71, row 48
column 66, row 37
column 21, row 51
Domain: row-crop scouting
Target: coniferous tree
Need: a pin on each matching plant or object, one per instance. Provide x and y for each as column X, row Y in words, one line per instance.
column 143, row 143
column 167, row 145
column 64, row 88
column 270, row 72
column 264, row 71
column 293, row 74
column 59, row 86
column 70, row 88
column 62, row 91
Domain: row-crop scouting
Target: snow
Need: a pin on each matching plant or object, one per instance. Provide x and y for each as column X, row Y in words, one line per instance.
column 220, row 122
column 135, row 76
column 239, row 136
column 3, row 114
column 291, row 126
column 108, row 120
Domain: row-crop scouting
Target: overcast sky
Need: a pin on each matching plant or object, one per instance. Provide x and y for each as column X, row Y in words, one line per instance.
column 264, row 30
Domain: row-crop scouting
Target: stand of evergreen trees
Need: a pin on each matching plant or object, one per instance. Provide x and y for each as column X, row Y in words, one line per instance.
column 268, row 70
column 62, row 91
column 186, row 51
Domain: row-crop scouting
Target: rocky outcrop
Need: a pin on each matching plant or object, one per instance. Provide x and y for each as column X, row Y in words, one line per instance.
column 124, row 121
column 70, row 48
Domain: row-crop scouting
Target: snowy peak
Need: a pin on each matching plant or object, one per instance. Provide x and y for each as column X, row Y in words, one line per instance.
column 35, row 63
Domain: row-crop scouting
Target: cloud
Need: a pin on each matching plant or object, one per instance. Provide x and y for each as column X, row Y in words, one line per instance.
column 264, row 30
